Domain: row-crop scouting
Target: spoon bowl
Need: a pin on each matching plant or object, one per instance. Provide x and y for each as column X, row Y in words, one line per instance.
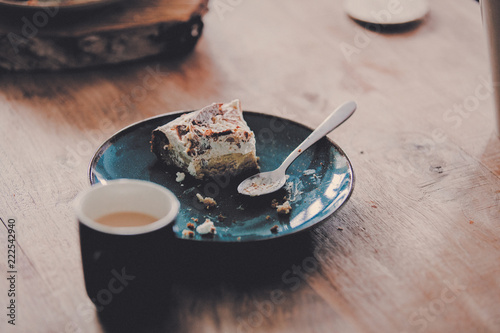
column 271, row 181
column 263, row 183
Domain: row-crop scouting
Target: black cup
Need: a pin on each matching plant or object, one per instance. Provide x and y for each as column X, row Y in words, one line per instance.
column 127, row 269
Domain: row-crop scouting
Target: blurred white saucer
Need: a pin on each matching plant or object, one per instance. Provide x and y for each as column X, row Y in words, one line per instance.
column 387, row 11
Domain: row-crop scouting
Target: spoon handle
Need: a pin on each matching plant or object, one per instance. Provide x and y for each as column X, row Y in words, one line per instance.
column 341, row 114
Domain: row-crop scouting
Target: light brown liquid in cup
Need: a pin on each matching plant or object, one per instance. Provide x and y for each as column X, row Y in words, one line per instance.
column 126, row 219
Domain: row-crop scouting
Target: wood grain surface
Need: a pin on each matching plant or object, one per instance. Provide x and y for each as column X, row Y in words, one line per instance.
column 415, row 249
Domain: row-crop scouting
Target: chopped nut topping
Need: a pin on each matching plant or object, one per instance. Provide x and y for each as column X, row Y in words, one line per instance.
column 181, row 130
column 217, row 134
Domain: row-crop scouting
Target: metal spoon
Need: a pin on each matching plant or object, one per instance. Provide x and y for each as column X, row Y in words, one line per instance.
column 271, row 181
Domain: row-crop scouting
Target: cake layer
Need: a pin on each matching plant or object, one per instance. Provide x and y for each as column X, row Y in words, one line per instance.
column 212, row 141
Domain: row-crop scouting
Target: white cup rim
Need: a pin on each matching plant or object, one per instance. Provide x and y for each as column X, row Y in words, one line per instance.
column 135, row 230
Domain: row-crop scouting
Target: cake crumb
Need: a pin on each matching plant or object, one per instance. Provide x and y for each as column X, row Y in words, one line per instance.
column 206, row 227
column 221, row 217
column 207, row 201
column 180, row 176
column 194, row 219
column 274, row 228
column 187, row 233
column 238, row 239
column 274, row 203
column 471, row 222
column 285, row 208
column 190, row 226
column 340, row 228
column 268, row 217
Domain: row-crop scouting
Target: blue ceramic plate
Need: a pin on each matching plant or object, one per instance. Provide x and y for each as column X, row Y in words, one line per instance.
column 320, row 180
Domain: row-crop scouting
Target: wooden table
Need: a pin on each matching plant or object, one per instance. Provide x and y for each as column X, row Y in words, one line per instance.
column 419, row 249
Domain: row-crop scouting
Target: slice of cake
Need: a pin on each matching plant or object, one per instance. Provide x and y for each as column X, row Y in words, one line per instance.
column 213, row 141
